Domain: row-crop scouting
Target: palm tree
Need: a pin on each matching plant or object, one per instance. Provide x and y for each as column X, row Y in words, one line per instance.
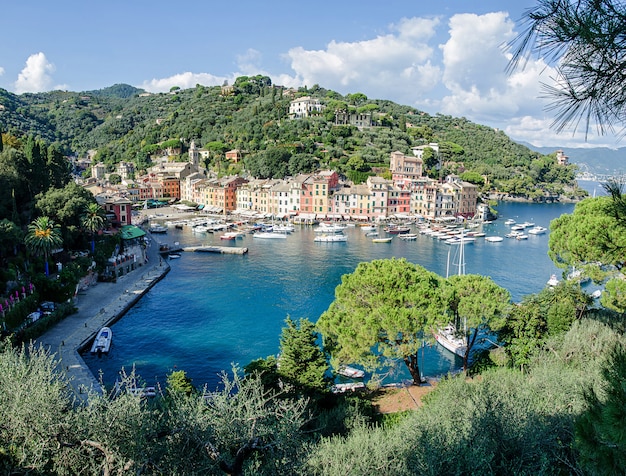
column 92, row 220
column 43, row 237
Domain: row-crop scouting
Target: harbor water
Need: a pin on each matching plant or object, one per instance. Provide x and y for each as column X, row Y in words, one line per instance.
column 213, row 311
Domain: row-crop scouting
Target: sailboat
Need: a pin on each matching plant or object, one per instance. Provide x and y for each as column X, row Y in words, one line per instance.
column 449, row 337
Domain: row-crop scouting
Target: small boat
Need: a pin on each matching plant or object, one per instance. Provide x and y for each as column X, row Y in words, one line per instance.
column 371, row 233
column 509, row 221
column 329, row 228
column 596, row 294
column 521, row 236
column 493, row 239
column 158, row 229
column 102, row 342
column 270, row 235
column 331, row 238
column 537, row 230
column 578, row 276
column 347, row 387
column 350, row 372
column 553, row 281
column 284, row 228
column 174, row 255
column 382, row 240
column 397, row 229
column 408, row 236
column 369, row 227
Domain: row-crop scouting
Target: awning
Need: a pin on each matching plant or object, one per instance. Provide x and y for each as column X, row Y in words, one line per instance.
column 129, row 232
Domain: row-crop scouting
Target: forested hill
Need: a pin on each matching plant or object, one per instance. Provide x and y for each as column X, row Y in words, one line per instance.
column 126, row 124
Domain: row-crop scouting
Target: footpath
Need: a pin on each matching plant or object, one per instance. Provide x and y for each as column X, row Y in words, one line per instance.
column 99, row 305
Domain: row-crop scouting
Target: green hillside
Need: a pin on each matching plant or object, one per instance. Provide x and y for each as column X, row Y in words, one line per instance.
column 126, row 124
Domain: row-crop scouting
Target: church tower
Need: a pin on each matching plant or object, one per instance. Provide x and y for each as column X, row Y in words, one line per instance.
column 194, row 154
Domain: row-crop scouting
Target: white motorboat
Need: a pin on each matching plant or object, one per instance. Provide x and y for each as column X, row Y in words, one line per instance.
column 155, row 228
column 408, row 236
column 331, row 238
column 270, row 235
column 509, row 221
column 329, row 228
column 553, row 281
column 494, row 239
column 537, row 230
column 350, row 372
column 382, row 240
column 102, row 342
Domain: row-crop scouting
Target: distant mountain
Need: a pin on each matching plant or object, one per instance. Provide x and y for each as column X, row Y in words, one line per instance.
column 596, row 160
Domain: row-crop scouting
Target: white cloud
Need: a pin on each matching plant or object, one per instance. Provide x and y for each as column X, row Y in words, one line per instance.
column 474, row 63
column 250, row 62
column 184, row 81
column 1, row 70
column 399, row 61
column 35, row 77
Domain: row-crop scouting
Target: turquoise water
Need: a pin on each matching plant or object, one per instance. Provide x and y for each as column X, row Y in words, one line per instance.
column 215, row 310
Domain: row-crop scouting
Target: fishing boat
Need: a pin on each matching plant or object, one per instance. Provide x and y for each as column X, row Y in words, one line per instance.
column 102, row 342
column 408, row 236
column 382, row 240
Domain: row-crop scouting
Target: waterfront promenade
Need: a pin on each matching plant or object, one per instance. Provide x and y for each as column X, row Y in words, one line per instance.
column 98, row 306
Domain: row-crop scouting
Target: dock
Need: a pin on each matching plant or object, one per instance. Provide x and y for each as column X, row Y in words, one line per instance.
column 232, row 250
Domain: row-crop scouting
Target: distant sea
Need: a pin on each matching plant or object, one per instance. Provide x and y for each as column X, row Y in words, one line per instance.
column 213, row 311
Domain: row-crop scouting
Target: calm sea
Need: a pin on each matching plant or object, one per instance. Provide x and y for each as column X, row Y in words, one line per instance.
column 214, row 310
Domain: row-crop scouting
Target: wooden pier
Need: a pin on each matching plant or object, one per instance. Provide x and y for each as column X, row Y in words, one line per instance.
column 232, row 250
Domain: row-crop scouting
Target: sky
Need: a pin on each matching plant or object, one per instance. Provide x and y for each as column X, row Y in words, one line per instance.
column 442, row 57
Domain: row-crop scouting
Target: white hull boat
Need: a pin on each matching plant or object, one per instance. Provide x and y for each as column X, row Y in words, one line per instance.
column 102, row 342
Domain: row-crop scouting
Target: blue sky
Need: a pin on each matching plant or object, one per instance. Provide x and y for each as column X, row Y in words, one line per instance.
column 441, row 56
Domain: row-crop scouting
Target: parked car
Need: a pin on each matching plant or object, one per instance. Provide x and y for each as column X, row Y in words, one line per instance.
column 47, row 307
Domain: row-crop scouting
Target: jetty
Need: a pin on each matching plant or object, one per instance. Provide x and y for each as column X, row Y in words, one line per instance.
column 232, row 250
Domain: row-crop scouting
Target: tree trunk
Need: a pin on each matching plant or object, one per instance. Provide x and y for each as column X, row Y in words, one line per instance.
column 414, row 369
column 470, row 344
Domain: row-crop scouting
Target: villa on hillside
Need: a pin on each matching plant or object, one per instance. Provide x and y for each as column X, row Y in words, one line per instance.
column 305, row 107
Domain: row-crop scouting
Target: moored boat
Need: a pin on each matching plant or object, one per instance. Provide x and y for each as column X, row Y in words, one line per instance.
column 449, row 339
column 155, row 228
column 350, row 372
column 331, row 238
column 382, row 240
column 553, row 281
column 102, row 342
column 269, row 235
column 493, row 239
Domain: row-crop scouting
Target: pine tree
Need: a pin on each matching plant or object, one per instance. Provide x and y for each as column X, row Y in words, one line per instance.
column 302, row 362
